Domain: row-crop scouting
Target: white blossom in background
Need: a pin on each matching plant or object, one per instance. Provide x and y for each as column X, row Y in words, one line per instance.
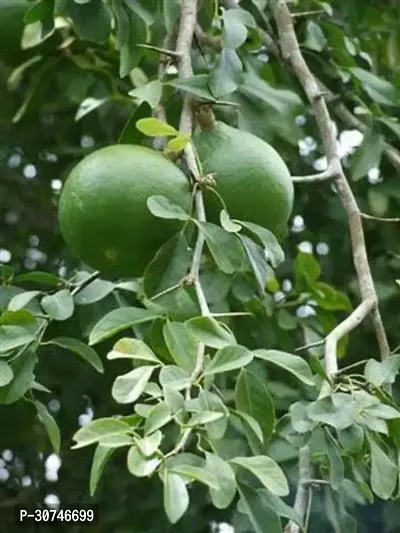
column 52, row 500
column 4, row 474
column 33, row 240
column 298, row 224
column 307, row 145
column 30, row 171
column 26, row 481
column 300, row 120
column 5, row 255
column 320, row 164
column 54, row 406
column 86, row 418
column 56, row 185
column 287, row 285
column 304, row 311
column 322, row 248
column 87, row 141
column 7, row 455
column 14, row 160
column 11, row 217
column 306, row 247
column 374, row 176
column 279, row 296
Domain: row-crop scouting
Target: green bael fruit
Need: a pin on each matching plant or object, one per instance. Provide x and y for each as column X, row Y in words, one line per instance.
column 251, row 177
column 103, row 210
column 12, row 14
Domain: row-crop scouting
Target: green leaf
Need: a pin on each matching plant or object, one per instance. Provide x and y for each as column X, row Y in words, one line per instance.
column 195, row 473
column 23, row 317
column 158, row 417
column 174, row 399
column 174, row 377
column 100, row 459
column 86, row 352
column 49, row 424
column 267, row 471
column 338, row 410
column 300, row 420
column 154, row 127
column 19, row 301
column 131, row 30
column 210, row 332
column 252, row 397
column 179, row 143
column 227, row 223
column 6, row 373
column 368, row 155
column 176, row 496
column 150, row 444
column 378, row 89
column 130, row 134
column 94, row 292
column 351, row 439
column 150, row 92
column 306, row 268
column 262, row 518
column 227, row 74
column 116, row 441
column 294, row 364
column 212, row 403
column 92, row 20
column 12, row 337
column 204, row 417
column 181, row 344
column 42, row 278
column 227, row 359
column 99, row 429
column 59, row 306
column 315, row 38
column 169, row 266
column 128, row 348
column 392, row 125
column 118, row 320
column 268, row 240
column 225, row 476
column 23, row 379
column 128, row 387
column 382, row 373
column 224, row 247
column 384, row 473
column 279, row 506
column 197, row 86
column 141, row 466
column 252, row 430
column 235, row 31
column 336, row 474
column 171, row 12
column 257, row 260
column 383, row 411
column 282, row 101
column 162, row 207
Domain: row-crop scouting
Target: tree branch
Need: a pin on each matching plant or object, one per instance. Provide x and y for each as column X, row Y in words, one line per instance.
column 302, row 494
column 291, row 52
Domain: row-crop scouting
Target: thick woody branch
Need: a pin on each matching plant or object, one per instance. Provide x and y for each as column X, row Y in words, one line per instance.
column 291, row 52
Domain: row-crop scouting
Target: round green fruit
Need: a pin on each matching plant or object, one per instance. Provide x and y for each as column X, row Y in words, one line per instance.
column 12, row 14
column 250, row 176
column 103, row 211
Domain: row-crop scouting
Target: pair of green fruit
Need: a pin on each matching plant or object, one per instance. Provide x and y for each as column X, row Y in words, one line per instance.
column 103, row 210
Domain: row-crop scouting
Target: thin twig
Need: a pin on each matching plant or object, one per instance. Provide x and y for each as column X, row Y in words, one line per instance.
column 329, row 174
column 164, row 51
column 87, row 281
column 380, row 219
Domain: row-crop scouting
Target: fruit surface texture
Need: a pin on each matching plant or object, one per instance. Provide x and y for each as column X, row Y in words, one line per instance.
column 103, row 211
column 251, row 177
